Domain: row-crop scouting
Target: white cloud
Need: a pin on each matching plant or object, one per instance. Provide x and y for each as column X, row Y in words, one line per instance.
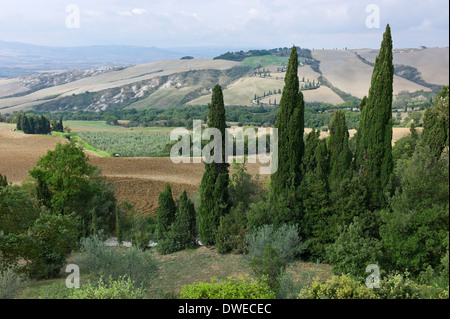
column 138, row 11
column 135, row 11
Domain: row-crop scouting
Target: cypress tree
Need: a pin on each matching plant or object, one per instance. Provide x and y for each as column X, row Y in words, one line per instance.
column 185, row 223
column 436, row 124
column 290, row 125
column 338, row 147
column 25, row 125
column 165, row 213
column 214, row 197
column 374, row 150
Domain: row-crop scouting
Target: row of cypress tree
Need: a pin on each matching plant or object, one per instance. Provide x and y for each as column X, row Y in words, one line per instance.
column 38, row 124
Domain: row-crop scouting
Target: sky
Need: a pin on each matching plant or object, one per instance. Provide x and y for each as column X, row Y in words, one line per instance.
column 226, row 23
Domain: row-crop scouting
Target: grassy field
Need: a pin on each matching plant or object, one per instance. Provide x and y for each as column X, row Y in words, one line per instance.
column 265, row 60
column 179, row 269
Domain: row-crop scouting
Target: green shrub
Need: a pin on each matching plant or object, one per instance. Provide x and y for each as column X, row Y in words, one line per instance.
column 230, row 236
column 353, row 251
column 337, row 287
column 54, row 236
column 97, row 259
column 285, row 239
column 140, row 231
column 120, row 288
column 231, row 288
column 400, row 286
column 269, row 266
column 290, row 288
column 11, row 284
column 259, row 214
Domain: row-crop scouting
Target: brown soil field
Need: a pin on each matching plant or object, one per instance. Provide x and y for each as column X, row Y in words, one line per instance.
column 138, row 180
column 19, row 152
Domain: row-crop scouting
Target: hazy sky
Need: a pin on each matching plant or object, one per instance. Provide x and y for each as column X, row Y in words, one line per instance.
column 232, row 23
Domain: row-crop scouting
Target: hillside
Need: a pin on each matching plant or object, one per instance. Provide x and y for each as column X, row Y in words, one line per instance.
column 326, row 76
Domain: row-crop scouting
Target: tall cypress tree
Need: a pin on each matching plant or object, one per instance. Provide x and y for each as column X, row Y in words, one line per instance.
column 165, row 213
column 374, row 149
column 290, row 125
column 214, row 197
column 339, row 150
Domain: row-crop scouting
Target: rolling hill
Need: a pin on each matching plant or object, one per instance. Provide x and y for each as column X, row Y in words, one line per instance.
column 327, row 76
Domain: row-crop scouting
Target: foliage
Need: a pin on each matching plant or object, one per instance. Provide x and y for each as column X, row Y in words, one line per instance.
column 290, row 125
column 17, row 209
column 230, row 288
column 97, row 259
column 243, row 188
column 214, row 196
column 404, row 148
column 436, row 124
column 230, row 236
column 185, row 225
column 374, row 149
column 181, row 233
column 53, row 236
column 3, row 181
column 400, row 286
column 140, row 232
column 353, row 251
column 165, row 213
column 66, row 183
column 42, row 247
column 33, row 124
column 337, row 287
column 128, row 144
column 285, row 239
column 338, row 147
column 415, row 228
column 269, row 266
column 120, row 288
column 11, row 283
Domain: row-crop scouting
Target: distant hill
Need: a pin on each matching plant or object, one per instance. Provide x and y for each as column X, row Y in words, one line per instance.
column 34, row 57
column 253, row 77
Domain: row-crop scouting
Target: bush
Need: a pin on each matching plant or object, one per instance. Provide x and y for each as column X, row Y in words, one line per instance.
column 11, row 284
column 230, row 236
column 285, row 239
column 353, row 251
column 231, row 288
column 97, row 259
column 400, row 286
column 140, row 231
column 53, row 236
column 269, row 266
column 290, row 288
column 337, row 287
column 120, row 288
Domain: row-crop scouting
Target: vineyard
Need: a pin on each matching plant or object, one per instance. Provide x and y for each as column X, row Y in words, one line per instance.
column 127, row 144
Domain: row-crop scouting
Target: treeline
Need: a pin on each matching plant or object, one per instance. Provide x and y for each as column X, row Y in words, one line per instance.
column 241, row 55
column 37, row 124
column 316, row 115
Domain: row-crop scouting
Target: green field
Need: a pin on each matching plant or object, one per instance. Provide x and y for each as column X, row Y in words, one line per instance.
column 128, row 144
column 265, row 60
